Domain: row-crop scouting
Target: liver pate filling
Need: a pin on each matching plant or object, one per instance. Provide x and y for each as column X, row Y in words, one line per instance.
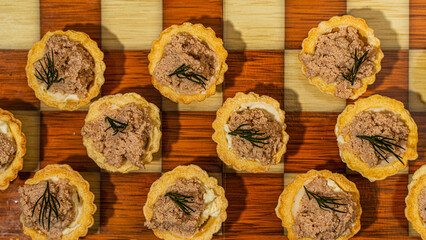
column 262, row 121
column 422, row 205
column 334, row 55
column 311, row 221
column 191, row 51
column 74, row 64
column 63, row 191
column 129, row 144
column 370, row 123
column 168, row 216
column 7, row 150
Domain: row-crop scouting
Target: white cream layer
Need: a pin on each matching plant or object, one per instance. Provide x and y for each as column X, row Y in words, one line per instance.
column 64, row 97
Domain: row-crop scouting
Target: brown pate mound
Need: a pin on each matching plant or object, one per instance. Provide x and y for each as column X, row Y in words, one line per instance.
column 191, row 51
column 369, row 123
column 74, row 64
column 334, row 55
column 7, row 150
column 313, row 222
column 264, row 122
column 167, row 216
column 130, row 144
column 63, row 191
column 422, row 204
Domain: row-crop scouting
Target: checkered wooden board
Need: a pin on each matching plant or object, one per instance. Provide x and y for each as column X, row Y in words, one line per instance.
column 263, row 39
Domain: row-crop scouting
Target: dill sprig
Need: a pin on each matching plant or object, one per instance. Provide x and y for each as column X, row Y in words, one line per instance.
column 117, row 126
column 252, row 135
column 382, row 145
column 325, row 202
column 49, row 204
column 50, row 73
column 354, row 70
column 185, row 71
column 181, row 201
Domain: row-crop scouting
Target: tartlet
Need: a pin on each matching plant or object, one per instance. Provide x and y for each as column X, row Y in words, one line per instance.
column 214, row 221
column 223, row 139
column 85, row 205
column 291, row 193
column 332, row 25
column 412, row 212
column 377, row 103
column 208, row 37
column 119, row 101
column 11, row 128
column 66, row 101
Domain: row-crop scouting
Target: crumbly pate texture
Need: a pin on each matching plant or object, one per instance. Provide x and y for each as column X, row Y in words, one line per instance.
column 370, row 123
column 313, row 222
column 128, row 145
column 263, row 121
column 168, row 216
column 334, row 55
column 422, row 205
column 7, row 150
column 74, row 64
column 63, row 191
column 191, row 51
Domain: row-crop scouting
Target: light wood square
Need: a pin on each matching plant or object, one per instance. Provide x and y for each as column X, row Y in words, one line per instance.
column 131, row 24
column 212, row 103
column 389, row 19
column 31, row 128
column 417, row 83
column 94, row 178
column 300, row 95
column 19, row 24
column 254, row 24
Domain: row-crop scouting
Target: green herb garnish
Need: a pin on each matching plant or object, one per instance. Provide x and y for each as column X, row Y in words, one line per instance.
column 252, row 135
column 382, row 145
column 117, row 126
column 181, row 201
column 324, row 202
column 354, row 70
column 49, row 204
column 50, row 73
column 184, row 71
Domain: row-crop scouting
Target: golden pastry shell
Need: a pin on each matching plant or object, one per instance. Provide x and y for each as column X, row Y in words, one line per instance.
column 37, row 53
column 120, row 100
column 11, row 171
column 372, row 102
column 309, row 45
column 158, row 188
column 64, row 171
column 286, row 200
column 208, row 36
column 412, row 212
column 219, row 136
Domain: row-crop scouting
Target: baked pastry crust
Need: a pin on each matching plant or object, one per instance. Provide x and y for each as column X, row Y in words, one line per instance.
column 37, row 53
column 208, row 36
column 309, row 45
column 64, row 171
column 212, row 224
column 412, row 201
column 120, row 100
column 286, row 200
column 219, row 136
column 353, row 161
column 11, row 171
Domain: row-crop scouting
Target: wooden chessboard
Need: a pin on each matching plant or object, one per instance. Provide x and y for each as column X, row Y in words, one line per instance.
column 263, row 39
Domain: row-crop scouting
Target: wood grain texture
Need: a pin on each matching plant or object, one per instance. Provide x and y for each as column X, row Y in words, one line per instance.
column 14, row 91
column 420, row 119
column 212, row 103
column 61, row 15
column 255, row 71
column 130, row 24
column 417, row 23
column 312, row 143
column 302, row 15
column 208, row 13
column 19, row 24
column 187, row 139
column 417, row 83
column 252, row 200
